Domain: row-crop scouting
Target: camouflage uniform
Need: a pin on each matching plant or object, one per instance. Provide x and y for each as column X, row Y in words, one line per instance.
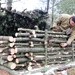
column 62, row 23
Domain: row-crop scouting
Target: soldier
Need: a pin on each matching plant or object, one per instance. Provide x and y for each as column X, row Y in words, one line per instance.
column 65, row 23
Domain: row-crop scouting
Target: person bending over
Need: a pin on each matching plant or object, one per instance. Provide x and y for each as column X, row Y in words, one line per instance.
column 65, row 22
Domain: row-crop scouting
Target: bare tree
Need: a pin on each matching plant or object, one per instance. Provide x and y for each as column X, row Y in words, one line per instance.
column 9, row 4
column 48, row 5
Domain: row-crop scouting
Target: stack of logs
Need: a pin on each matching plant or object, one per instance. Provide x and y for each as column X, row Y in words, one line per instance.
column 34, row 48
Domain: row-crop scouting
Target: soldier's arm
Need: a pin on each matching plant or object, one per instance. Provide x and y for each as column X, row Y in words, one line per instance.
column 69, row 41
column 71, row 38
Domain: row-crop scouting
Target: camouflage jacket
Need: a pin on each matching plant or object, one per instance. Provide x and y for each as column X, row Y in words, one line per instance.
column 63, row 23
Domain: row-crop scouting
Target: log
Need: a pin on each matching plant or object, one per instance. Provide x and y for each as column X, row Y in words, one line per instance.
column 57, row 36
column 23, row 50
column 60, row 56
column 20, row 44
column 7, row 57
column 39, row 31
column 22, row 34
column 4, row 57
column 36, row 49
column 10, row 65
column 10, row 57
column 4, row 42
column 6, row 38
column 19, row 55
column 11, row 44
column 37, row 57
column 12, row 51
column 51, row 58
column 3, row 49
column 40, row 35
column 28, row 39
column 21, row 60
column 27, row 35
column 57, row 41
column 51, row 53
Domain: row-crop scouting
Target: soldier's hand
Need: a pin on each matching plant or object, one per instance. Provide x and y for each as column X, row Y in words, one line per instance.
column 63, row 45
